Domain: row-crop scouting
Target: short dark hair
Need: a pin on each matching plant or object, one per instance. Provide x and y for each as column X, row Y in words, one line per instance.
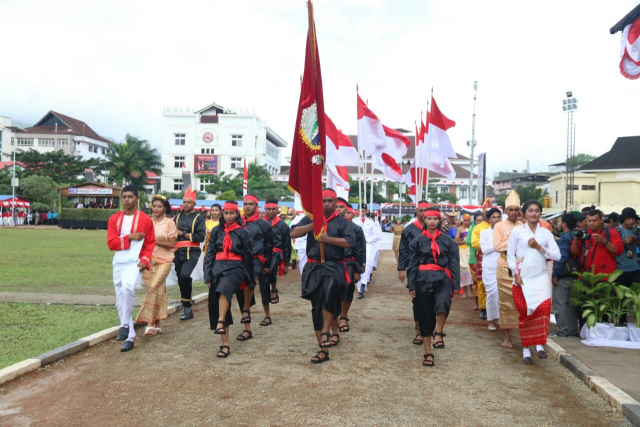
column 529, row 203
column 341, row 199
column 581, row 216
column 570, row 220
column 130, row 188
column 613, row 216
column 595, row 212
column 422, row 201
column 216, row 205
column 478, row 215
column 165, row 203
column 238, row 218
column 491, row 211
column 271, row 201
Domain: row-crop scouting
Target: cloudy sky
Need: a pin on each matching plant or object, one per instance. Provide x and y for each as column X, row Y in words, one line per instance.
column 117, row 64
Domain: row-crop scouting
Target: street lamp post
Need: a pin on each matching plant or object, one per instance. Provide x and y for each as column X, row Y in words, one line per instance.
column 13, row 186
column 472, row 144
column 569, row 105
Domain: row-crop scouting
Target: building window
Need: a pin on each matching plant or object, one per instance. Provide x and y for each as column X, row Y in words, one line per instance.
column 178, row 184
column 475, row 192
column 588, row 187
column 46, row 142
column 178, row 161
column 25, row 142
column 444, row 190
column 181, row 138
column 104, row 151
column 63, row 142
column 236, row 140
column 93, row 148
column 236, row 162
column 271, row 151
column 556, row 197
column 463, row 193
column 206, row 151
column 202, row 187
column 12, row 141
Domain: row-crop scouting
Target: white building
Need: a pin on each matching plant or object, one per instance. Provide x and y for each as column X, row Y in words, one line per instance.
column 7, row 137
column 212, row 140
column 55, row 132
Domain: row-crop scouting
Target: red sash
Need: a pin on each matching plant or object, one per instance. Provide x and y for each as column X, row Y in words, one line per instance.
column 186, row 244
column 281, row 265
column 436, row 267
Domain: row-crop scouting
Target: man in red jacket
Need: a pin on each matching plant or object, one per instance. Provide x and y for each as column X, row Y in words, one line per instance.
column 600, row 250
column 131, row 235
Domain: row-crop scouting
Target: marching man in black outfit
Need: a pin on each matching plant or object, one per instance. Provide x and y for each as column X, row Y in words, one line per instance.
column 281, row 259
column 354, row 258
column 261, row 250
column 410, row 232
column 323, row 283
column 191, row 232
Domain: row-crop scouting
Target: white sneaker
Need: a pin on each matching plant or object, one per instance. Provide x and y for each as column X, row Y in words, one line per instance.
column 492, row 328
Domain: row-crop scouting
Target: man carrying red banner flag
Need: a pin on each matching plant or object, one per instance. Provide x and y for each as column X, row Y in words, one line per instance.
column 309, row 148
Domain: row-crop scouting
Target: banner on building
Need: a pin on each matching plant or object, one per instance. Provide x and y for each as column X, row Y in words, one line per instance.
column 90, row 191
column 481, row 172
column 205, row 164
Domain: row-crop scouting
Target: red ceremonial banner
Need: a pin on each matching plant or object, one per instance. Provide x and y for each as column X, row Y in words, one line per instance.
column 309, row 140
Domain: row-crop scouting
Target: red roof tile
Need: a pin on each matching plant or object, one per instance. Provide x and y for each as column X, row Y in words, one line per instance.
column 78, row 127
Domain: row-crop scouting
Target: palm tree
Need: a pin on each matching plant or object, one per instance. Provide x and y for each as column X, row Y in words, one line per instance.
column 130, row 160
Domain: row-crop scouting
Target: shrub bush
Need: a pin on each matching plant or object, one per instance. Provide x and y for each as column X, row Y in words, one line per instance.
column 86, row 214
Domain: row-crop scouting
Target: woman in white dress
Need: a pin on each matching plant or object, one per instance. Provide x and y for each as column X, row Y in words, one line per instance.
column 530, row 246
column 490, row 267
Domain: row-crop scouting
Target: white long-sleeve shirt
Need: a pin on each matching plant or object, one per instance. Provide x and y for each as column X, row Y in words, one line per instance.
column 519, row 244
column 489, row 254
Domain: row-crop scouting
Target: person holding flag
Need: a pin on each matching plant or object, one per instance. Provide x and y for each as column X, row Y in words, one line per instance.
column 325, row 277
column 191, row 232
column 281, row 258
column 355, row 259
column 434, row 274
column 261, row 250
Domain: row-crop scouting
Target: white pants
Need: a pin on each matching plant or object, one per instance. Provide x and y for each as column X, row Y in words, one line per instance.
column 125, row 300
column 490, row 282
column 364, row 278
column 302, row 258
column 376, row 254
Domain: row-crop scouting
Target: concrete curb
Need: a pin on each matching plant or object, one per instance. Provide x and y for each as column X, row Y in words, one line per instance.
column 34, row 363
column 617, row 398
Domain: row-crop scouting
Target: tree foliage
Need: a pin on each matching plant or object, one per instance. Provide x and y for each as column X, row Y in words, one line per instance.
column 530, row 192
column 580, row 160
column 437, row 197
column 60, row 167
column 129, row 161
column 40, row 189
column 366, row 193
column 259, row 183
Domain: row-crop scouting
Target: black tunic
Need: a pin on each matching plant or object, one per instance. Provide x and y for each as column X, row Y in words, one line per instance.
column 359, row 251
column 420, row 253
column 240, row 245
column 338, row 227
column 193, row 223
column 409, row 233
column 261, row 243
column 281, row 235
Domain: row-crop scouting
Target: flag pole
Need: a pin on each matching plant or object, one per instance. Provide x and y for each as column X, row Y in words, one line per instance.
column 359, row 173
column 428, row 147
column 417, row 162
column 312, row 49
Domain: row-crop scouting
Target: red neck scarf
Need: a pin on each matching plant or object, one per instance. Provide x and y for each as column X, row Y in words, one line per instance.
column 276, row 220
column 435, row 249
column 226, row 243
column 326, row 220
column 246, row 220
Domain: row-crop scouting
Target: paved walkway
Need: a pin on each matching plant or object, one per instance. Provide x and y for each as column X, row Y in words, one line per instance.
column 374, row 376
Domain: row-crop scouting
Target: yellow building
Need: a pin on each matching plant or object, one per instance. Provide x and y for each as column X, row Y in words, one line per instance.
column 611, row 182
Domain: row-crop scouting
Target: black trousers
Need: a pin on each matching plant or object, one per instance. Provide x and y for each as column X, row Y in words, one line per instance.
column 265, row 287
column 351, row 287
column 432, row 298
column 325, row 297
column 185, row 262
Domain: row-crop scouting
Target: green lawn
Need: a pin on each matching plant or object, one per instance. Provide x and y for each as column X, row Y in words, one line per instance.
column 60, row 262
column 32, row 329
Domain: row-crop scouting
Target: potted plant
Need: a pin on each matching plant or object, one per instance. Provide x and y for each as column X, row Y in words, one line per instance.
column 633, row 296
column 616, row 308
column 592, row 295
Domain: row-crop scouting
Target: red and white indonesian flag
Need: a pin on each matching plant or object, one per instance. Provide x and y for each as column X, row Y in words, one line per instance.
column 630, row 50
column 340, row 154
column 338, row 179
column 245, row 179
column 438, row 149
column 385, row 145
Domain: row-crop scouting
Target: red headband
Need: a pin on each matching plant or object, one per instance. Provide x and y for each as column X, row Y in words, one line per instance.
column 230, row 207
column 424, row 205
column 329, row 193
column 432, row 213
column 250, row 197
column 341, row 203
column 271, row 205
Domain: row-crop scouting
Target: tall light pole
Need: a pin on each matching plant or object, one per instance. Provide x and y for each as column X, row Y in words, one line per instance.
column 569, row 105
column 472, row 144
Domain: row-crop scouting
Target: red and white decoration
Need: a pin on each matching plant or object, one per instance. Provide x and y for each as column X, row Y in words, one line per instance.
column 383, row 144
column 630, row 50
column 245, row 179
column 340, row 154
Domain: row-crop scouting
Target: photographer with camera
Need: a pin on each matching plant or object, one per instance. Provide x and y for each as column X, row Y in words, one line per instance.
column 627, row 261
column 561, row 278
column 596, row 246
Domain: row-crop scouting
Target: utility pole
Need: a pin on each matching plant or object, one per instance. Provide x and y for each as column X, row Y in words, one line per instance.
column 569, row 105
column 13, row 186
column 472, row 143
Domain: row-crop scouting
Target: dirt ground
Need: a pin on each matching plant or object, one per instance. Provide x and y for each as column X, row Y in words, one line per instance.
column 374, row 376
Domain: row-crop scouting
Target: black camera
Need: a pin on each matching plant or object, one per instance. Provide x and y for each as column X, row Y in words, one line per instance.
column 581, row 234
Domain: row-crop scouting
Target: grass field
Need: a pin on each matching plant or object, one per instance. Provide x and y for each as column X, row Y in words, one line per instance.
column 60, row 262
column 32, row 329
column 42, row 261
